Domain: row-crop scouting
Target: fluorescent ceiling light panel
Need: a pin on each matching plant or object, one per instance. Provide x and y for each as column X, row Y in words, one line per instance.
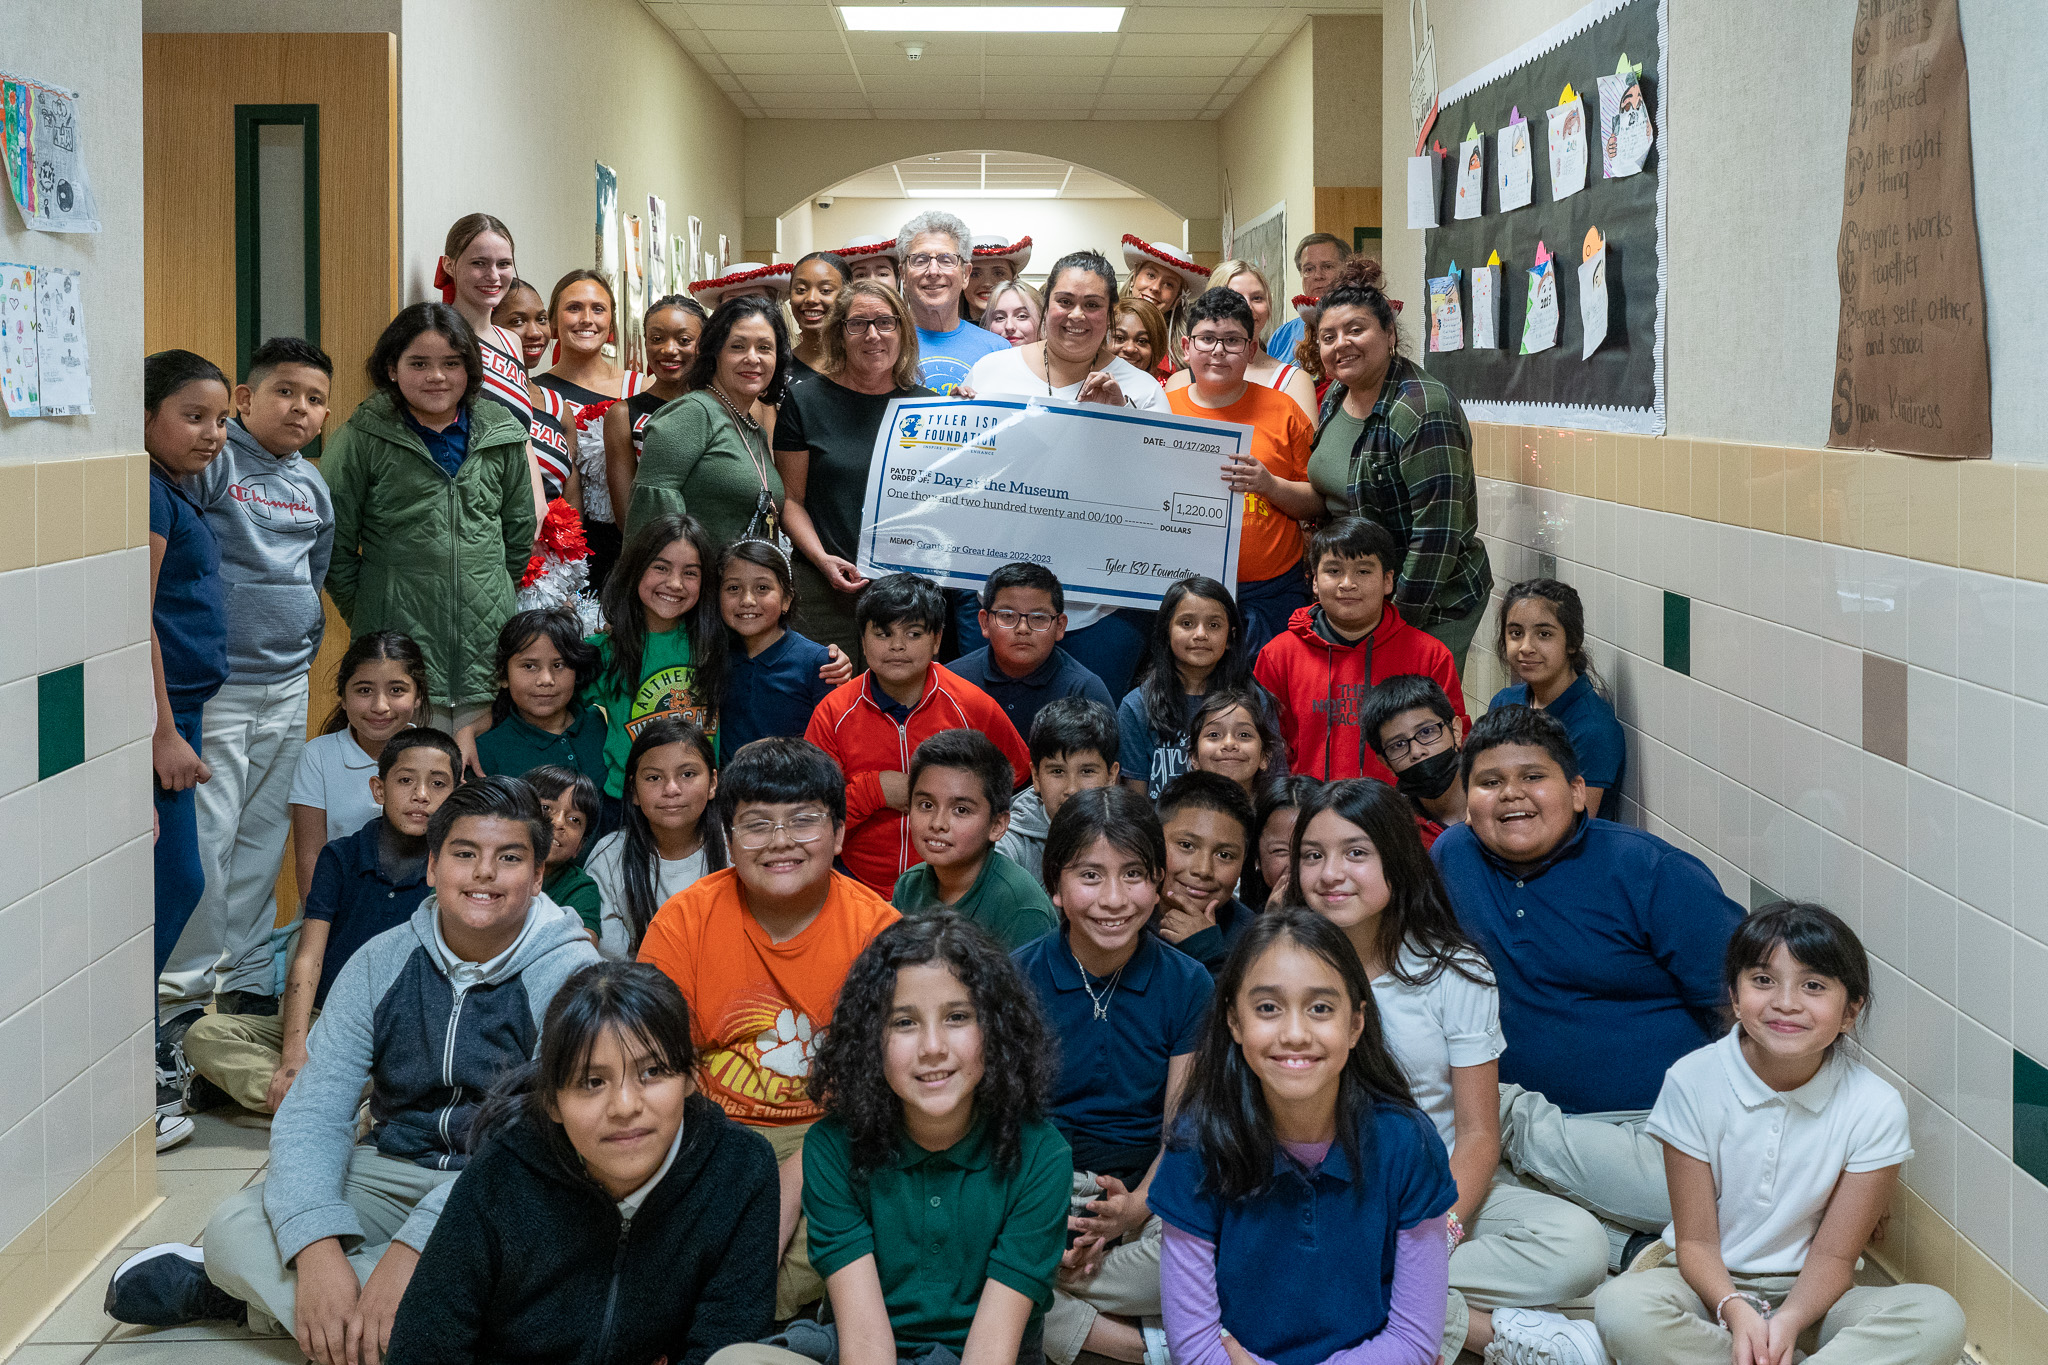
column 1042, row 192
column 983, row 18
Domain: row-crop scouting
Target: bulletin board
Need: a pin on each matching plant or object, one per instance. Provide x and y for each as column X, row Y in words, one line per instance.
column 1620, row 387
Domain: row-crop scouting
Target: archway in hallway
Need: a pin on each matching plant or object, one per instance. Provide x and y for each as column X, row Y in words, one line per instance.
column 1060, row 204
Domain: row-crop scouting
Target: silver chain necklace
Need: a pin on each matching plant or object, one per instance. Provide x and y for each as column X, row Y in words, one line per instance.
column 1101, row 1002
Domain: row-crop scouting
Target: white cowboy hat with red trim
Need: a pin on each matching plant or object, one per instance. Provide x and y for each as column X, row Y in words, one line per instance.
column 1138, row 251
column 1304, row 304
column 1018, row 254
column 870, row 246
column 747, row 277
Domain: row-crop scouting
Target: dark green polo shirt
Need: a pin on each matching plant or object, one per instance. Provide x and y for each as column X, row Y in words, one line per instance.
column 1004, row 900
column 514, row 747
column 570, row 887
column 940, row 1225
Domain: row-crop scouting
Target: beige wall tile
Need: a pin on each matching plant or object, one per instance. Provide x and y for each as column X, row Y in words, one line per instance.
column 1589, row 464
column 1706, row 480
column 1606, row 455
column 106, row 504
column 1734, row 465
column 1986, row 496
column 1628, row 470
column 138, row 500
column 17, row 516
column 28, row 1289
column 1930, row 1249
column 60, row 510
column 1767, row 488
column 1804, row 493
column 1934, row 491
column 2029, row 1325
column 1985, row 1293
column 1650, row 466
column 2030, row 509
column 1884, row 499
column 1841, row 497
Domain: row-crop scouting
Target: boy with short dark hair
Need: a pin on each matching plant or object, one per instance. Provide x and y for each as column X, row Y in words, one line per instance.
column 1331, row 655
column 427, row 1016
column 1073, row 747
column 270, row 510
column 758, row 999
column 959, row 808
column 362, row 885
column 1024, row 617
column 1208, row 821
column 871, row 724
column 1413, row 727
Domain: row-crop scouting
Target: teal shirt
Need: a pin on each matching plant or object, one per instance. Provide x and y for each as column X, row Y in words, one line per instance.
column 941, row 1225
column 514, row 747
column 1004, row 900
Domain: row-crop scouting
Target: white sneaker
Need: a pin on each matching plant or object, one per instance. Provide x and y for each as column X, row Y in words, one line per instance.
column 172, row 1129
column 1524, row 1336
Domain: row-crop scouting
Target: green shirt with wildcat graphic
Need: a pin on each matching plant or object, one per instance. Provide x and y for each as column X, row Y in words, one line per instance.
column 668, row 688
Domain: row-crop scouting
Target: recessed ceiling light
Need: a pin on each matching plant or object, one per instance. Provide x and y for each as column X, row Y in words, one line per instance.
column 983, row 18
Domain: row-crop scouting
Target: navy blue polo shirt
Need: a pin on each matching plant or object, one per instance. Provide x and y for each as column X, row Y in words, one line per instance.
column 189, row 610
column 450, row 445
column 772, row 693
column 1607, row 955
column 1306, row 1269
column 1111, row 1090
column 1586, row 716
column 1061, row 675
column 351, row 892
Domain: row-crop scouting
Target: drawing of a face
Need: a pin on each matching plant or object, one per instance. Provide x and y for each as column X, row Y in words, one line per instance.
column 1632, row 98
column 1546, row 290
column 1571, row 125
column 1473, row 165
column 1600, row 275
column 1521, row 138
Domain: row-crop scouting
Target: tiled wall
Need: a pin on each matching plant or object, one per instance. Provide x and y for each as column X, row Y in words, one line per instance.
column 1833, row 671
column 77, row 1068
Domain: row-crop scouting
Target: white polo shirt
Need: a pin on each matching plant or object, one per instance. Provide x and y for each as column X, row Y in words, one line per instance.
column 334, row 775
column 1776, row 1156
column 1452, row 1021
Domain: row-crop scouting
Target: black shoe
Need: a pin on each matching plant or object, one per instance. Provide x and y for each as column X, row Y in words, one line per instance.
column 244, row 1002
column 202, row 1095
column 166, row 1286
column 170, row 1099
column 171, row 1068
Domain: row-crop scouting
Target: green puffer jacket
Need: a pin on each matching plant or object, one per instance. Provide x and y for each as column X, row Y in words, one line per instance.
column 419, row 552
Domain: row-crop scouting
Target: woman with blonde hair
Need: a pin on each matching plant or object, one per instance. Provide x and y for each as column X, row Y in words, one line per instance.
column 1247, row 279
column 824, row 441
column 1015, row 312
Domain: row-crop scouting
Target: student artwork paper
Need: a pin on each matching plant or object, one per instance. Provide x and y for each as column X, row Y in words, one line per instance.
column 679, row 269
column 724, row 254
column 1517, row 167
column 607, row 262
column 1423, row 188
column 1471, row 176
column 1486, row 305
column 1625, row 131
column 45, row 368
column 20, row 369
column 1567, row 146
column 1446, row 322
column 657, row 247
column 39, row 130
column 632, row 340
column 1593, row 292
column 696, row 246
column 1539, row 322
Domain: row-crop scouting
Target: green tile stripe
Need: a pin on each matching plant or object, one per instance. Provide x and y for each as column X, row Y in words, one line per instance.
column 60, row 720
column 1678, row 633
column 2030, row 1116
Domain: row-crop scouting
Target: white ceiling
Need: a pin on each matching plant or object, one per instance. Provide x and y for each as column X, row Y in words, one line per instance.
column 982, row 175
column 1173, row 59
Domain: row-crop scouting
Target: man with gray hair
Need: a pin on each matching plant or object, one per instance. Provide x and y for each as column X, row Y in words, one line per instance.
column 934, row 250
column 1317, row 257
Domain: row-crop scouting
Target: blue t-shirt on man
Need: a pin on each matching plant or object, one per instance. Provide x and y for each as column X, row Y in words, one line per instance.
column 944, row 358
column 189, row 609
column 1607, row 955
column 1286, row 337
column 1061, row 675
column 1595, row 733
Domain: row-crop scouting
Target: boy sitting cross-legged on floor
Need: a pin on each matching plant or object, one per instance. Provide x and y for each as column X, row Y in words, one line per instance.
column 427, row 1016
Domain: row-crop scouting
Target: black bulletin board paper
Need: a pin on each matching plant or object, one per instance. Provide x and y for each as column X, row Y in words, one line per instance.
column 1620, row 386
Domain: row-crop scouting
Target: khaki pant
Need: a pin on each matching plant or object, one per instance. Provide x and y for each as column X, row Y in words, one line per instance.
column 241, row 1247
column 796, row 1284
column 1525, row 1249
column 1127, row 1286
column 239, row 1053
column 1653, row 1317
column 1602, row 1162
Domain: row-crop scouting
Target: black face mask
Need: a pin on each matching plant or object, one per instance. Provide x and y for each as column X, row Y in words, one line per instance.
column 1429, row 779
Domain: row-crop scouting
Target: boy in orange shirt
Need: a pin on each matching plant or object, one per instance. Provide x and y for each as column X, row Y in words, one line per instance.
column 1277, row 496
column 760, row 951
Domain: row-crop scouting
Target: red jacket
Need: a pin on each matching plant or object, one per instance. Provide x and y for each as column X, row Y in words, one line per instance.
column 1311, row 675
column 866, row 743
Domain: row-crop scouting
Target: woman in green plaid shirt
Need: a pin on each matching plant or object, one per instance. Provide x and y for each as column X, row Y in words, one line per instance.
column 1392, row 445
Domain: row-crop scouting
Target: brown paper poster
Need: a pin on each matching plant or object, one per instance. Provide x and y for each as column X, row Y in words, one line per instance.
column 1912, row 369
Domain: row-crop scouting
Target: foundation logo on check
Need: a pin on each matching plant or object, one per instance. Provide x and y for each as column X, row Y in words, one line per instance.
column 946, row 430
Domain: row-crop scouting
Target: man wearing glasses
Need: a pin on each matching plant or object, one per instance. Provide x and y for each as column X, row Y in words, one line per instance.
column 1024, row 617
column 1413, row 727
column 1272, row 477
column 934, row 249
column 760, row 951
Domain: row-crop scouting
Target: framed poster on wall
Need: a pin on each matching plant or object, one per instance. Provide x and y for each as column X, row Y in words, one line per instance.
column 1263, row 242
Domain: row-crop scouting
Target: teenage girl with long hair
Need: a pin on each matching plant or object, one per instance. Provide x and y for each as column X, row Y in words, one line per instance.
column 475, row 274
column 668, row 837
column 673, row 326
column 584, row 318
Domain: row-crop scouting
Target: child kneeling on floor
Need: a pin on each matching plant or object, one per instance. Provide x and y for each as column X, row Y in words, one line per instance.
column 1776, row 1108
column 327, row 1242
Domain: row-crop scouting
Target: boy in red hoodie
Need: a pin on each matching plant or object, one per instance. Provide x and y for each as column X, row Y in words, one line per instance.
column 873, row 723
column 1321, row 667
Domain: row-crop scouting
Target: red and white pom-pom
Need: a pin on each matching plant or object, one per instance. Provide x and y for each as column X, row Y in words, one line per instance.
column 558, row 574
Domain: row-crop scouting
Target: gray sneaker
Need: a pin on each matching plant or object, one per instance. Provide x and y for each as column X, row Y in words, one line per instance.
column 1524, row 1336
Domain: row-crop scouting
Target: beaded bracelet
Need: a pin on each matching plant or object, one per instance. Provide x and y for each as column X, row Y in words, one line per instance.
column 1454, row 1230
column 1756, row 1301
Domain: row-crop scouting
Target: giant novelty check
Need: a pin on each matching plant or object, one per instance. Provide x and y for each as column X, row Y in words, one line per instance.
column 1119, row 502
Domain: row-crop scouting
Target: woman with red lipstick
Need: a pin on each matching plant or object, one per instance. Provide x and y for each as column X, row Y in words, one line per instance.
column 813, row 284
column 673, row 327
column 584, row 318
column 598, row 1146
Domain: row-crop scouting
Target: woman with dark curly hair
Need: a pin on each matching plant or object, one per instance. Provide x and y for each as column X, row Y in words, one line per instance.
column 935, row 1188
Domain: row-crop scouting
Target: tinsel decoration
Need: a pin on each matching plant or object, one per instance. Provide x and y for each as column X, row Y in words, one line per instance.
column 558, row 575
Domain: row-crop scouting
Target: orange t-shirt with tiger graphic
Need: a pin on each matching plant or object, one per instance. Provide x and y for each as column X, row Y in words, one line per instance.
column 757, row 1006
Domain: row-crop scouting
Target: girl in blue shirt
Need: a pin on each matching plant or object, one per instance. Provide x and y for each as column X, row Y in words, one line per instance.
column 1543, row 643
column 1303, row 1193
column 775, row 677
